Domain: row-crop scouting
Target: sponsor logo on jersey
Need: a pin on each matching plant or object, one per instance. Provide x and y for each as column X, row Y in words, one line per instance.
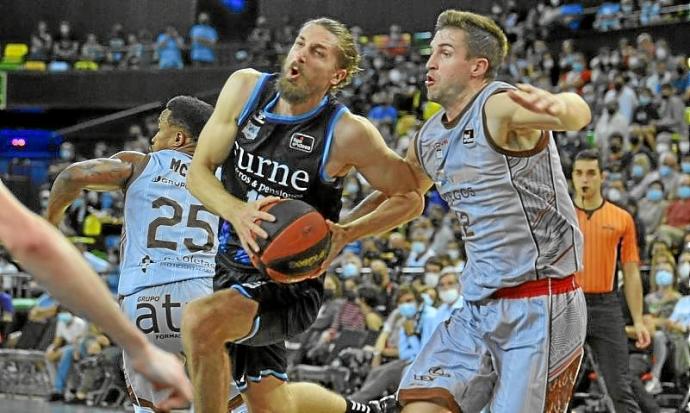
column 249, row 166
column 468, row 136
column 302, row 142
column 145, row 262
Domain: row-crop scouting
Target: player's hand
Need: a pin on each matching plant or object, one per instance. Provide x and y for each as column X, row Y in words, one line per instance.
column 338, row 242
column 537, row 100
column 246, row 220
column 165, row 372
column 643, row 337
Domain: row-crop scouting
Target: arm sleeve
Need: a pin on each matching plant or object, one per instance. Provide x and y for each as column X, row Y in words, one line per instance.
column 629, row 252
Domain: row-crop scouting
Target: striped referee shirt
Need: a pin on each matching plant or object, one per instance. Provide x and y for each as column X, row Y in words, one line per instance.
column 609, row 233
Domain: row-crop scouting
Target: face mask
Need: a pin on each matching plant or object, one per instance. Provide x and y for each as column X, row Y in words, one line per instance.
column 408, row 310
column 428, row 301
column 614, row 195
column 685, row 166
column 578, row 67
column 328, row 294
column 548, row 64
column 449, row 296
column 350, row 270
column 611, row 111
column 662, row 147
column 418, row 247
column 684, row 192
column 665, row 170
column 637, row 171
column 684, row 270
column 661, row 53
column 453, row 254
column 64, row 317
column 655, row 195
column 663, row 278
column 634, row 140
column 616, row 148
column 350, row 295
column 431, row 279
column 644, row 100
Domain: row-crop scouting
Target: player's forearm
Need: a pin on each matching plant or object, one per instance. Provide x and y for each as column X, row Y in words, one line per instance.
column 577, row 115
column 633, row 291
column 204, row 185
column 368, row 204
column 62, row 194
column 394, row 211
column 58, row 266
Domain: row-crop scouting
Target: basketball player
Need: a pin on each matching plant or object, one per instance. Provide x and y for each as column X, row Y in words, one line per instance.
column 169, row 238
column 56, row 264
column 517, row 342
column 278, row 136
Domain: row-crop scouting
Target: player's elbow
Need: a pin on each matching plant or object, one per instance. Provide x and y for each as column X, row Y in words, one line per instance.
column 415, row 202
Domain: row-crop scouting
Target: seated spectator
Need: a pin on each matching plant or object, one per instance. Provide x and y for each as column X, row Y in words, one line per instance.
column 617, row 159
column 625, row 96
column 608, row 17
column 395, row 44
column 203, row 39
column 672, row 112
column 380, row 277
column 397, row 345
column 611, row 121
column 148, row 49
column 116, row 46
column 169, row 45
column 667, row 174
column 650, row 12
column 92, row 50
column 134, row 52
column 41, row 43
column 647, row 112
column 683, row 272
column 383, row 110
column 449, row 294
column 60, row 354
column 652, row 207
column 396, row 250
column 65, row 47
column 676, row 219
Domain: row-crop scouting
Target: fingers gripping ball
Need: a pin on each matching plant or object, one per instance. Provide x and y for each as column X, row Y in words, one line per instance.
column 298, row 242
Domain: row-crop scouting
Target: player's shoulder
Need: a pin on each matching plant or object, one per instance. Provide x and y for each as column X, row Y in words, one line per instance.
column 132, row 157
column 351, row 125
column 617, row 211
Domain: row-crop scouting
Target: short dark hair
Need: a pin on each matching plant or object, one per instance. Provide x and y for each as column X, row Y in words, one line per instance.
column 189, row 113
column 407, row 289
column 589, row 155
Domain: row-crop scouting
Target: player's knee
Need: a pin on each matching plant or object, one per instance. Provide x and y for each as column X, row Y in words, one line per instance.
column 221, row 317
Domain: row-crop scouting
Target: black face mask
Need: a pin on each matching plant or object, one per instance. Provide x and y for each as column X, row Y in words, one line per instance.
column 611, row 111
column 634, row 140
column 328, row 294
column 618, row 87
column 615, row 148
column 350, row 295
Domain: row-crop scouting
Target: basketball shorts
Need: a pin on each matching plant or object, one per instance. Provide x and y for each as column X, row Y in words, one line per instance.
column 157, row 311
column 285, row 310
column 512, row 354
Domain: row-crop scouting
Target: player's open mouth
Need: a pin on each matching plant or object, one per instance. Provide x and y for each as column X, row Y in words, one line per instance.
column 429, row 81
column 293, row 72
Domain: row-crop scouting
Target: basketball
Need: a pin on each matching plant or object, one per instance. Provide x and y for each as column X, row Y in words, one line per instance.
column 298, row 242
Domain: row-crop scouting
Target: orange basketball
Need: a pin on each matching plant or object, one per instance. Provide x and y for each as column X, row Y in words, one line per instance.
column 297, row 244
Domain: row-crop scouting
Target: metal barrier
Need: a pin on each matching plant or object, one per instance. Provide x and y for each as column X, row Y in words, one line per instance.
column 24, row 372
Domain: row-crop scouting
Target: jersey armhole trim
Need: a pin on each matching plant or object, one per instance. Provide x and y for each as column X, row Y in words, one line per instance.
column 541, row 143
column 330, row 131
column 251, row 102
column 137, row 170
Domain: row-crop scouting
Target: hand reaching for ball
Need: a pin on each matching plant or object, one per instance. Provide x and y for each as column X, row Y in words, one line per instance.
column 246, row 219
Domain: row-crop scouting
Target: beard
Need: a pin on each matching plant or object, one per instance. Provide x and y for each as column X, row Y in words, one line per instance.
column 291, row 91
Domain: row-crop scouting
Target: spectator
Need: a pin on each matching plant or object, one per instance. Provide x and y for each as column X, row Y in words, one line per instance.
column 449, row 293
column 61, row 352
column 116, row 46
column 65, row 47
column 134, row 52
column 41, row 43
column 203, row 39
column 667, row 174
column 148, row 49
column 169, row 45
column 647, row 112
column 672, row 112
column 381, row 278
column 611, row 121
column 396, row 44
column 625, row 96
column 652, row 207
column 6, row 315
column 92, row 50
column 676, row 219
column 608, row 17
column 660, row 76
column 650, row 12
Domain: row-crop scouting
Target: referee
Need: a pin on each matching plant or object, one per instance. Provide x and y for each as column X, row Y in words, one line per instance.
column 609, row 233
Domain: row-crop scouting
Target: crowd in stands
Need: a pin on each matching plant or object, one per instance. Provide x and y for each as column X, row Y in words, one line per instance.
column 64, row 49
column 384, row 295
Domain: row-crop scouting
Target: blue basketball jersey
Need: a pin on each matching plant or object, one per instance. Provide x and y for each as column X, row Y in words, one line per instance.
column 518, row 221
column 168, row 235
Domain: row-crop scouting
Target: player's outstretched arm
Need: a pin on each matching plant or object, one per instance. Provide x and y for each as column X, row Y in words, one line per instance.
column 215, row 143
column 103, row 174
column 58, row 266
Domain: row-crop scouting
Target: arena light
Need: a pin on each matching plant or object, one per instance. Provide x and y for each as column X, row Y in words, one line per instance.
column 18, row 142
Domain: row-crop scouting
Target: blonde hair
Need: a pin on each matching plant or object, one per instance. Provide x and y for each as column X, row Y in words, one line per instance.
column 484, row 37
column 348, row 57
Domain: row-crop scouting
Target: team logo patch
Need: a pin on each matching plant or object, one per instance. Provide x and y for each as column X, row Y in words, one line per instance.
column 145, row 262
column 468, row 136
column 301, row 142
